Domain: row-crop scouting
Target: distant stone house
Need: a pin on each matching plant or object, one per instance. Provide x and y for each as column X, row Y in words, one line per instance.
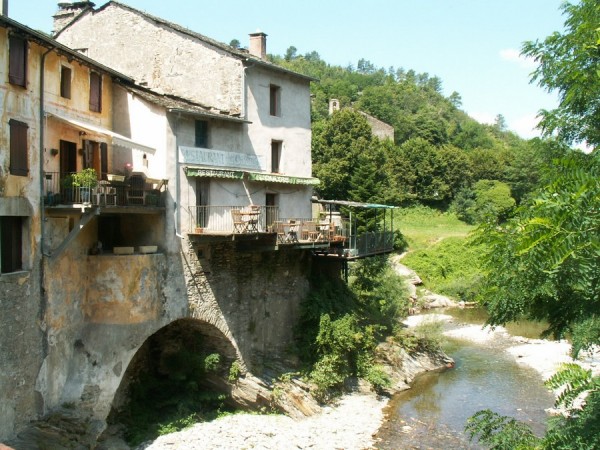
column 252, row 144
column 379, row 128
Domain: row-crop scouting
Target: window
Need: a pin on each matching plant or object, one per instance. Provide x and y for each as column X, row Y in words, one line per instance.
column 11, row 241
column 95, row 92
column 201, row 134
column 275, row 100
column 18, row 148
column 275, row 156
column 65, row 82
column 17, row 63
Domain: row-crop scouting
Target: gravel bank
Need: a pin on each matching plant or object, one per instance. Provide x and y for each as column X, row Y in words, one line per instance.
column 349, row 425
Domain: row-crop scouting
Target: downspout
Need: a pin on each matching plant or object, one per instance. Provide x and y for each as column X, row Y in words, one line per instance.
column 43, row 298
column 41, row 149
column 177, row 181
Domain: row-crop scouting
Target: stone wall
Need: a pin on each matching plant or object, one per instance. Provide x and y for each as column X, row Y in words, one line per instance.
column 252, row 297
column 21, row 349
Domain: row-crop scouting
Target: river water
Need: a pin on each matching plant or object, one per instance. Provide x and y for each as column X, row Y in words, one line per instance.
column 433, row 413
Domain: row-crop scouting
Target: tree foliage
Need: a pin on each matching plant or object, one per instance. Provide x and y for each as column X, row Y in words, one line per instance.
column 569, row 65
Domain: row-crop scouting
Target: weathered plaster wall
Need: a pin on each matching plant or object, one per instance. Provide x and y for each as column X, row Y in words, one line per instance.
column 99, row 318
column 291, row 126
column 167, row 61
column 21, row 303
column 146, row 124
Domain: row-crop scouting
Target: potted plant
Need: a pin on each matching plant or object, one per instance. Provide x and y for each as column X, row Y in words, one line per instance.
column 85, row 181
column 67, row 188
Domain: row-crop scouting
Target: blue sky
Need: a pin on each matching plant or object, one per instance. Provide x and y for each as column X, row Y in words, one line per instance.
column 472, row 45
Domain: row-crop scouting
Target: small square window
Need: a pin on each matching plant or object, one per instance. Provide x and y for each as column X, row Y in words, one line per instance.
column 11, row 241
column 95, row 92
column 17, row 63
column 65, row 82
column 18, row 148
column 275, row 100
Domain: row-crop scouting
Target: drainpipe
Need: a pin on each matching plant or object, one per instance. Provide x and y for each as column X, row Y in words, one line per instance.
column 43, row 298
column 177, row 181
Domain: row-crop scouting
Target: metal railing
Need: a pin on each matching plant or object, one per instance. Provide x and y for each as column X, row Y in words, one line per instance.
column 342, row 242
column 59, row 189
column 214, row 218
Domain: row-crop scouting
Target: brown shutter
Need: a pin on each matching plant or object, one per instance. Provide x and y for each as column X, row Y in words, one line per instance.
column 17, row 64
column 103, row 160
column 18, row 148
column 95, row 92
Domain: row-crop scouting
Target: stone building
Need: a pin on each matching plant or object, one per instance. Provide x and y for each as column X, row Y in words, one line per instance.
column 379, row 128
column 255, row 147
column 194, row 151
column 92, row 270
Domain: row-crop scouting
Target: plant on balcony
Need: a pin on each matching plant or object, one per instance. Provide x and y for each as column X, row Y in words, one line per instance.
column 85, row 181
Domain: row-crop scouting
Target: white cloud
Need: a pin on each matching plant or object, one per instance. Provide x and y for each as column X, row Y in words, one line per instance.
column 514, row 56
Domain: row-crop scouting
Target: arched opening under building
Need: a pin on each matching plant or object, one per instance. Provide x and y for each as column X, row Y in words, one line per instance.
column 179, row 376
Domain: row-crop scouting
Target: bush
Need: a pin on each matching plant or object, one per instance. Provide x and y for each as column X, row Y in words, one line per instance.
column 488, row 200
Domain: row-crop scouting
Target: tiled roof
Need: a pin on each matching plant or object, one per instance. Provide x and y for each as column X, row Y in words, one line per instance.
column 173, row 103
column 46, row 41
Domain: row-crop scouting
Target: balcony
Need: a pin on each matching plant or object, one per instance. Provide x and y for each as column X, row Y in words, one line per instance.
column 74, row 191
column 324, row 236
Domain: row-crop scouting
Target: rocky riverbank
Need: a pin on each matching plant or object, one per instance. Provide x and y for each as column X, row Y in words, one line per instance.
column 350, row 423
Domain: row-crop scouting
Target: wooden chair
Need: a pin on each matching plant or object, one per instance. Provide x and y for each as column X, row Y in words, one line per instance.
column 309, row 231
column 279, row 228
column 239, row 226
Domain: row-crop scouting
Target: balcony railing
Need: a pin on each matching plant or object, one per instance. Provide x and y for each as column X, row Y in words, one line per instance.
column 59, row 190
column 332, row 238
column 222, row 219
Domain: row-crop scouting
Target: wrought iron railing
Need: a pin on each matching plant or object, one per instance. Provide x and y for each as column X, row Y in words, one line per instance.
column 221, row 219
column 60, row 189
column 337, row 236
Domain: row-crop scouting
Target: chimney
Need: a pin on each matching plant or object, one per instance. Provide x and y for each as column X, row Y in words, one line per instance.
column 4, row 8
column 67, row 11
column 258, row 44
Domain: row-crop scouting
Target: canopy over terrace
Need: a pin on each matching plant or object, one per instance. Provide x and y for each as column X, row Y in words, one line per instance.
column 369, row 243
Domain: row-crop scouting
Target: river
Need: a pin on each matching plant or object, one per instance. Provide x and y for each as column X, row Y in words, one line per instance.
column 433, row 413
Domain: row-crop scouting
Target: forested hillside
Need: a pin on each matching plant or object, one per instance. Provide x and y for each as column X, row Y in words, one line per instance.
column 439, row 155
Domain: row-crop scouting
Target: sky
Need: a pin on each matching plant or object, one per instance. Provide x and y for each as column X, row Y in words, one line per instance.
column 473, row 46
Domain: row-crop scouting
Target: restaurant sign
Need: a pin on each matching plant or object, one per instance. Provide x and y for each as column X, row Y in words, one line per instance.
column 218, row 158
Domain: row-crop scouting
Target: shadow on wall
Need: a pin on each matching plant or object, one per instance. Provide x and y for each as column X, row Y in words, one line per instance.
column 178, row 376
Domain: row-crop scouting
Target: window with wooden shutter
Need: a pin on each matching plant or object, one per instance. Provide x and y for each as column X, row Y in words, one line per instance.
column 95, row 92
column 11, row 242
column 17, row 62
column 65, row 82
column 18, row 148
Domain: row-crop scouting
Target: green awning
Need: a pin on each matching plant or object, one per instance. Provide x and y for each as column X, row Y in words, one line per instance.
column 214, row 173
column 272, row 178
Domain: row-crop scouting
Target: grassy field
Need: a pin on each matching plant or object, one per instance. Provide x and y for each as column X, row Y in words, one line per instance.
column 424, row 227
column 439, row 252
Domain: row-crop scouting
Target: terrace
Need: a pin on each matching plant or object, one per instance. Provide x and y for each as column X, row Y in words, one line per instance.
column 328, row 234
column 81, row 189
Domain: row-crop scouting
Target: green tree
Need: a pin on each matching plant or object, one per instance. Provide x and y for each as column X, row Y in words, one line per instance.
column 545, row 262
column 569, row 65
column 338, row 144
